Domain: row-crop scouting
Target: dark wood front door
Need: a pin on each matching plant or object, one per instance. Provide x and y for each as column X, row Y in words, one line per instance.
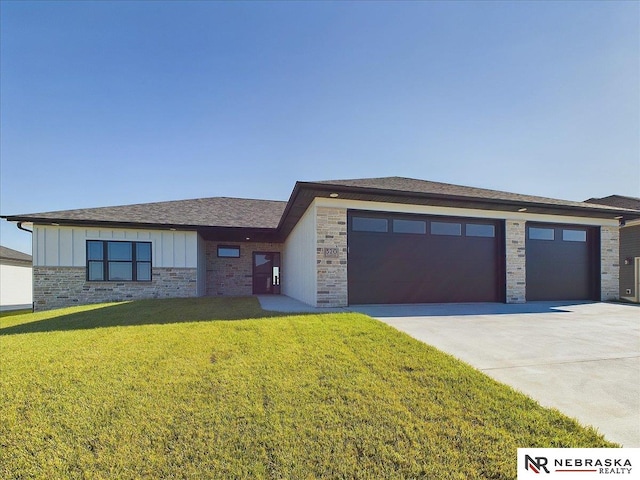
column 266, row 273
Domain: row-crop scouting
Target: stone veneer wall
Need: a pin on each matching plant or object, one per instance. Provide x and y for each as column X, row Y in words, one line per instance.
column 234, row 276
column 57, row 287
column 515, row 235
column 609, row 263
column 331, row 257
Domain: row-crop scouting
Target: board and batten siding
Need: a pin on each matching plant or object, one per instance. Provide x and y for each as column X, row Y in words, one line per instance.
column 59, row 246
column 299, row 270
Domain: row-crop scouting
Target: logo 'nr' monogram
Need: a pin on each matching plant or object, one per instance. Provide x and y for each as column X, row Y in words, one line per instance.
column 540, row 463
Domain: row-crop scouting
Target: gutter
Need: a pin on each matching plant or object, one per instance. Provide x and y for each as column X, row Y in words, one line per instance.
column 24, row 229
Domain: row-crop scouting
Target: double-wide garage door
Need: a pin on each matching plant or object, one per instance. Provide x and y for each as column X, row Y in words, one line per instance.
column 418, row 259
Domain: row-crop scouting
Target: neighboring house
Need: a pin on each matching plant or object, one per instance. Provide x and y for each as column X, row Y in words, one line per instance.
column 334, row 243
column 15, row 280
column 629, row 246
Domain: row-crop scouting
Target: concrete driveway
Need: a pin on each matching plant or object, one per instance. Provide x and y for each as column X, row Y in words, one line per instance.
column 581, row 358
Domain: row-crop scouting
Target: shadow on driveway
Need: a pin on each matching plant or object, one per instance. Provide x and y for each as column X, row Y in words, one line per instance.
column 462, row 309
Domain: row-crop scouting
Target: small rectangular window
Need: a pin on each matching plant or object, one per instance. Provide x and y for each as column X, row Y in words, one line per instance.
column 409, row 226
column 95, row 250
column 574, row 235
column 96, row 271
column 536, row 233
column 119, row 251
column 480, row 230
column 228, row 251
column 119, row 271
column 368, row 224
column 446, row 228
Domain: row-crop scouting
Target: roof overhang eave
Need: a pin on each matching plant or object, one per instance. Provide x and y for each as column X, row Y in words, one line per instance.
column 298, row 203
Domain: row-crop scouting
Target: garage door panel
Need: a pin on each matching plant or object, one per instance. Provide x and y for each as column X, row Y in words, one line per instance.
column 388, row 267
column 563, row 266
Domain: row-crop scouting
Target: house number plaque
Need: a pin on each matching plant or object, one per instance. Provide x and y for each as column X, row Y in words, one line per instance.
column 331, row 252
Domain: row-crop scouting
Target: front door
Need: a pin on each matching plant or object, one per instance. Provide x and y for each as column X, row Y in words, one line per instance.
column 266, row 272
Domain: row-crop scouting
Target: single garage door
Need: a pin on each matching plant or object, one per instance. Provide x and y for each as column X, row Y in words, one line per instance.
column 562, row 262
column 422, row 259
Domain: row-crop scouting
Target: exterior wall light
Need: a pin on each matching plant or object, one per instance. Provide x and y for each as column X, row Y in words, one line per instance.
column 333, row 195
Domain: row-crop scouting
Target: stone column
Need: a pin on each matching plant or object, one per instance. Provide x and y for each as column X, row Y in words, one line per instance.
column 331, row 257
column 516, row 266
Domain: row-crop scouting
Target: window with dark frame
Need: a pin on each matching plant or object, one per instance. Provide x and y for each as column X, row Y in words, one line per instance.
column 541, row 233
column 446, row 228
column 409, row 226
column 118, row 261
column 228, row 251
column 369, row 224
column 574, row 235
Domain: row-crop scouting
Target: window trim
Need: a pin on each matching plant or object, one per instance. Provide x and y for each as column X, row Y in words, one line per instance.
column 105, row 261
column 228, row 247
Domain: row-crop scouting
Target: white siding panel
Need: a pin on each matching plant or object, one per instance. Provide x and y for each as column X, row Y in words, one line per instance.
column 15, row 287
column 191, row 254
column 179, row 249
column 55, row 246
column 299, row 278
column 51, row 245
column 166, row 254
column 65, row 247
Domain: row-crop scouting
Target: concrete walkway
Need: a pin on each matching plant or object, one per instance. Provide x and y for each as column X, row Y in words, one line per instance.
column 581, row 358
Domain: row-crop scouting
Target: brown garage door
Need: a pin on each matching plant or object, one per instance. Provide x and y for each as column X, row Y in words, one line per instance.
column 562, row 262
column 422, row 259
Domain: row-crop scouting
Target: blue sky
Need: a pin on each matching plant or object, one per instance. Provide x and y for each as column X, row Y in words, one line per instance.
column 111, row 103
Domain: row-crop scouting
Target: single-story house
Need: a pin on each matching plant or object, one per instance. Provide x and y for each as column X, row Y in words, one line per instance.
column 629, row 246
column 333, row 243
column 15, row 280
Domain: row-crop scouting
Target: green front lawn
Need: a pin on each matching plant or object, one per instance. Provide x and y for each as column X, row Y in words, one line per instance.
column 217, row 388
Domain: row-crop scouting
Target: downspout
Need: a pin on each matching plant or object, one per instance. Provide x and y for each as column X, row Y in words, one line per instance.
column 33, row 306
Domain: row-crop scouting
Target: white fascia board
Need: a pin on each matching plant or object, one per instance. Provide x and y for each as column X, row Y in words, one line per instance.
column 461, row 212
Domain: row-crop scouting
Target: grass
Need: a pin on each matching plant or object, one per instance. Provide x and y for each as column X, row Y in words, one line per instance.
column 182, row 389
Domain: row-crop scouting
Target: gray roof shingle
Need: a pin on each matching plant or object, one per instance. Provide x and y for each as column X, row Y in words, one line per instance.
column 279, row 217
column 201, row 212
column 11, row 255
column 412, row 185
column 617, row 201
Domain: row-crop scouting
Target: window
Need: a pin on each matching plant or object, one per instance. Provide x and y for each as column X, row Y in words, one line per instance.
column 368, row 224
column 409, row 226
column 574, row 235
column 446, row 228
column 536, row 233
column 118, row 261
column 228, row 251
column 480, row 230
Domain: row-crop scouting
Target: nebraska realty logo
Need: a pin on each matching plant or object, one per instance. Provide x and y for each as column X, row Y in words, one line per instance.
column 581, row 463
